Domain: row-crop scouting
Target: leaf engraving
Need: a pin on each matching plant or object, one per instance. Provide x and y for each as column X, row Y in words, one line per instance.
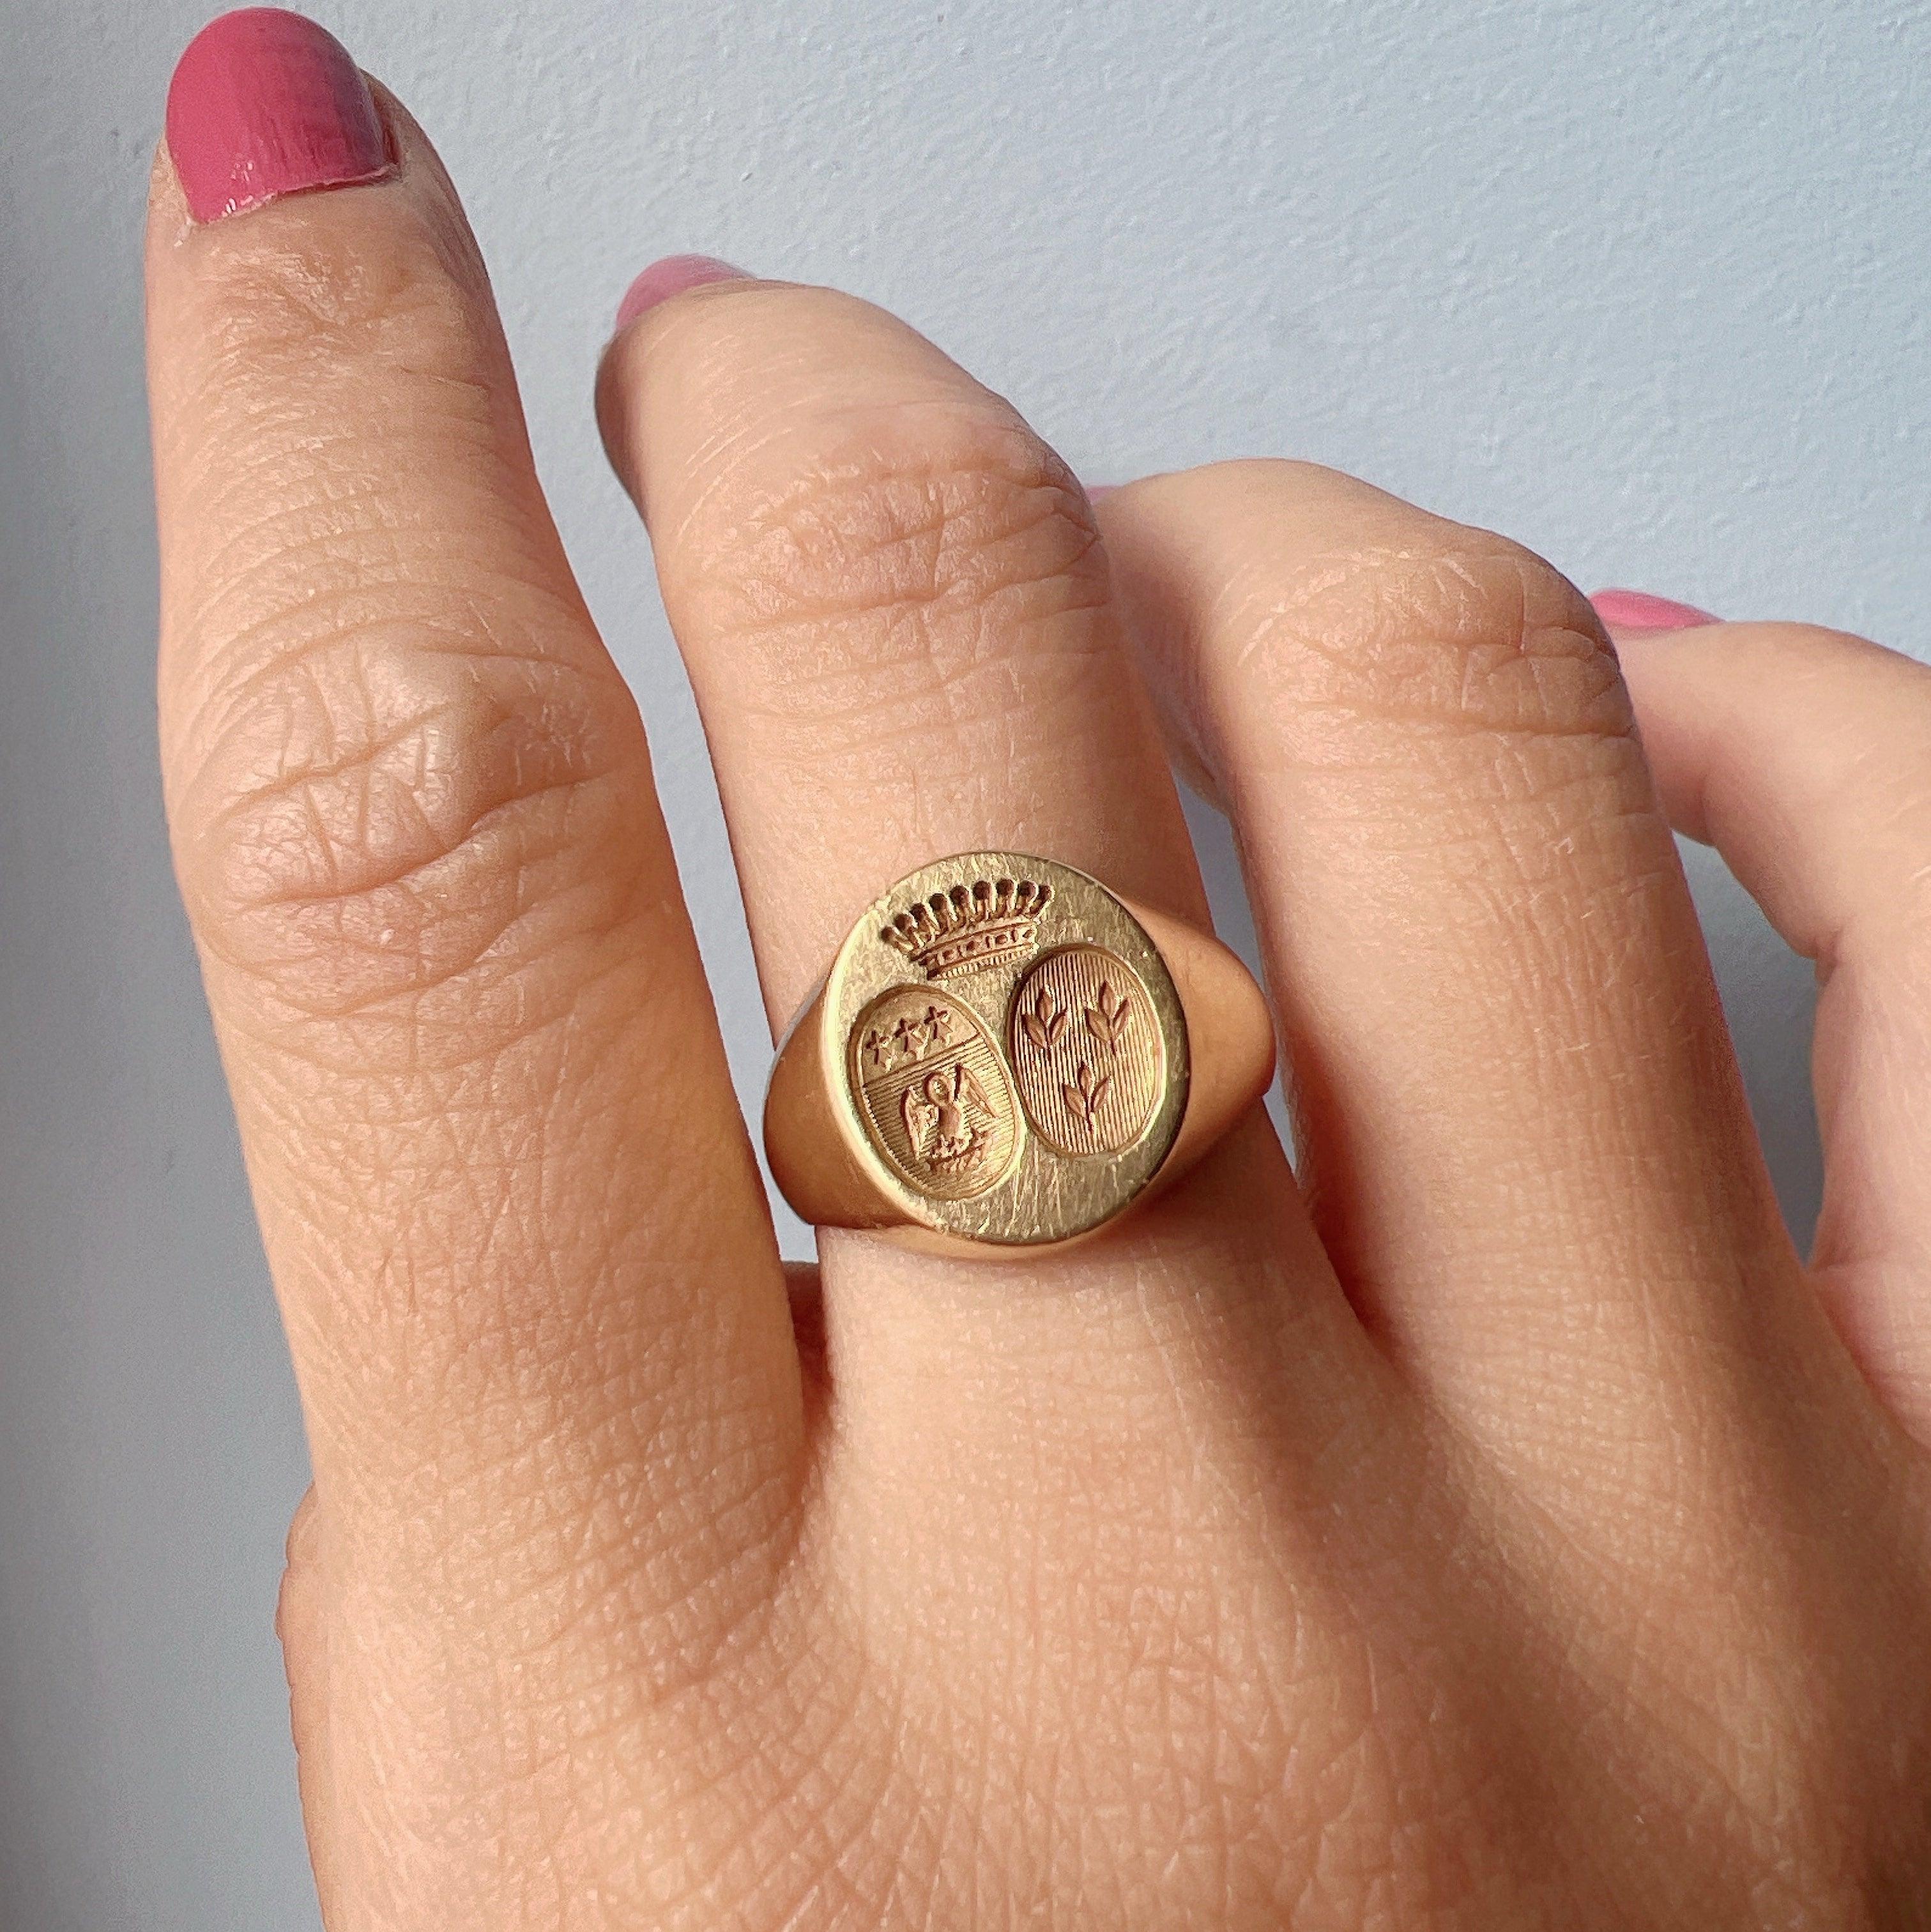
column 1046, row 1022
column 1107, row 1017
column 1083, row 1093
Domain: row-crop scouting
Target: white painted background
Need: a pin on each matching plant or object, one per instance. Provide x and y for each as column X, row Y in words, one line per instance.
column 1641, row 282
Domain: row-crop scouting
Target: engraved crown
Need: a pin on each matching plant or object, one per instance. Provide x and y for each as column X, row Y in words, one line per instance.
column 970, row 927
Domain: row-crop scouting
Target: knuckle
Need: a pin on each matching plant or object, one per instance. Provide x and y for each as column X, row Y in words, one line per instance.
column 302, row 1581
column 382, row 789
column 913, row 554
column 1424, row 626
column 304, row 1532
column 321, row 291
column 345, row 390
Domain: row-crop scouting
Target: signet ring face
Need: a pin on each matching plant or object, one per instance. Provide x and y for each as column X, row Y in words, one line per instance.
column 1005, row 1055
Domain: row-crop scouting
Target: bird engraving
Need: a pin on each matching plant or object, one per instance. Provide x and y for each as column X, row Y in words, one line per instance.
column 946, row 1115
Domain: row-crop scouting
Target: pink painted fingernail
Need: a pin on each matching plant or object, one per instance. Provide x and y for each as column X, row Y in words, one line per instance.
column 1638, row 610
column 265, row 103
column 670, row 276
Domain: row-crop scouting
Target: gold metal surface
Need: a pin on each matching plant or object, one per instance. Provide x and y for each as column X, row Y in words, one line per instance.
column 1001, row 1056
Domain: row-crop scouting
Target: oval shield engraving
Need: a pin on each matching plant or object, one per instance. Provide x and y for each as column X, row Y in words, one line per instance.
column 934, row 1094
column 1087, row 1051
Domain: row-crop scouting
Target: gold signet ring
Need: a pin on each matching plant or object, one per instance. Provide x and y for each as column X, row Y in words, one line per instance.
column 1005, row 1055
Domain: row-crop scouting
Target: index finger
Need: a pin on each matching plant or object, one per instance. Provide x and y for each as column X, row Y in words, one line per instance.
column 506, row 1196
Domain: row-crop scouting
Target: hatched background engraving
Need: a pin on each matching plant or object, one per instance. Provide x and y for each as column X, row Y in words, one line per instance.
column 1087, row 1053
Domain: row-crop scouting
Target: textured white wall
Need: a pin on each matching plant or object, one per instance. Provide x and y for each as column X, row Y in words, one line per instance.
column 1642, row 284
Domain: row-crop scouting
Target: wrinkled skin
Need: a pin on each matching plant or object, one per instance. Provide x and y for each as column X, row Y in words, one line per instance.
column 1500, row 1525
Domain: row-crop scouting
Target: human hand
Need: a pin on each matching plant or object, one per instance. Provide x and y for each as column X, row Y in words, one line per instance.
column 1500, row 1528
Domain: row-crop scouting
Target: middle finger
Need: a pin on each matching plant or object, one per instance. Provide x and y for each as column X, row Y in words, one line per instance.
column 1529, row 1148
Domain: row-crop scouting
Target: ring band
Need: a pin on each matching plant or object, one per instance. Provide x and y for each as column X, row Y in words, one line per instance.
column 1005, row 1055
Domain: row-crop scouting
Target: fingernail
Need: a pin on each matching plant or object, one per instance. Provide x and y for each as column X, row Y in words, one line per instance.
column 1094, row 491
column 670, row 276
column 265, row 103
column 1638, row 610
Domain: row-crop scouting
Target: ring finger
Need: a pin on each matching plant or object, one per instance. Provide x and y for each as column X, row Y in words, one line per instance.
column 897, row 619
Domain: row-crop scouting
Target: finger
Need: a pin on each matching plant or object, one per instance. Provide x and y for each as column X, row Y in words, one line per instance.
column 530, row 1289
column 898, row 624
column 1503, row 1037
column 1804, row 756
column 939, row 650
